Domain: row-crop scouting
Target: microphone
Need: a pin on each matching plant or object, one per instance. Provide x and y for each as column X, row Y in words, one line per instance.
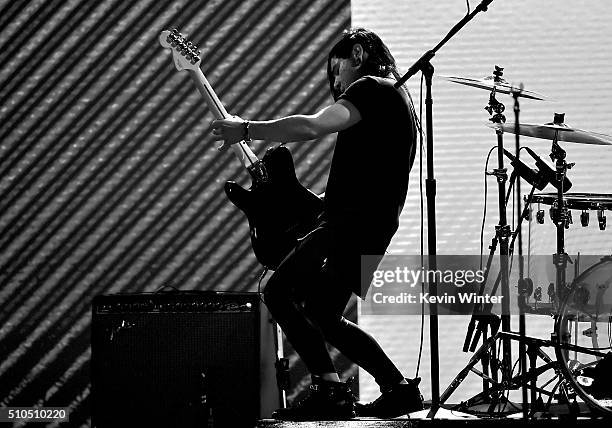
column 548, row 173
column 531, row 176
column 484, row 5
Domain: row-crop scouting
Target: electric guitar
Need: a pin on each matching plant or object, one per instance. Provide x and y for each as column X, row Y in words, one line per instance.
column 278, row 208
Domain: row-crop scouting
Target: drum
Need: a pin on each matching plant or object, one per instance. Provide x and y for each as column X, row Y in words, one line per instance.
column 585, row 202
column 583, row 335
column 579, row 243
column 577, row 201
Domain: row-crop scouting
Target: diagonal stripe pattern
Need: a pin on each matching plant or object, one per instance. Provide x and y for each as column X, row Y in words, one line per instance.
column 108, row 179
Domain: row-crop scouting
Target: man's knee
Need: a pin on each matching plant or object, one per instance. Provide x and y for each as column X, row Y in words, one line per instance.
column 275, row 294
column 328, row 320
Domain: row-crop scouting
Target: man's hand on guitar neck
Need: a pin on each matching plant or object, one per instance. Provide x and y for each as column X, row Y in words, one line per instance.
column 231, row 131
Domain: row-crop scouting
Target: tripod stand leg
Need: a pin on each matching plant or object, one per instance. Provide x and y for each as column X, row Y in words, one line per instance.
column 478, row 355
column 533, row 357
column 493, row 362
column 485, row 367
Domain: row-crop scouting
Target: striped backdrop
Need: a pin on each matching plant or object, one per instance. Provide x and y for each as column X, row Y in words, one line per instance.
column 108, row 179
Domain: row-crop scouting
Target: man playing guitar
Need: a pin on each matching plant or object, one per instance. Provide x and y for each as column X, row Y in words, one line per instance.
column 365, row 194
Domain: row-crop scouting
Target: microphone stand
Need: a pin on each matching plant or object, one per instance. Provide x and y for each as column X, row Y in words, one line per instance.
column 424, row 65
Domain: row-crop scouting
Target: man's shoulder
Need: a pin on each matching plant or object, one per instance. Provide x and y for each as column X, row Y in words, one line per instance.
column 369, row 93
column 373, row 81
column 382, row 81
column 371, row 85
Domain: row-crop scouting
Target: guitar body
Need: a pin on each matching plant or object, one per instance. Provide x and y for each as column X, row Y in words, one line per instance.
column 279, row 210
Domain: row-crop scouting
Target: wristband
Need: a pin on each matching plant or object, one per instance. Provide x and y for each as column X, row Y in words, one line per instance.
column 246, row 134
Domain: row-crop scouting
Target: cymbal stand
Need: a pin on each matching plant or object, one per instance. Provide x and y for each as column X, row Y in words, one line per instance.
column 482, row 313
column 560, row 216
column 502, row 230
column 522, row 285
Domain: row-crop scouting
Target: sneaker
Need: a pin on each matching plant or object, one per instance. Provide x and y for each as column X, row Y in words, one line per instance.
column 400, row 400
column 326, row 400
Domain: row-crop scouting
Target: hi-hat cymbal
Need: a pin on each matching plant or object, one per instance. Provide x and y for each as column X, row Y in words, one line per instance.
column 490, row 82
column 563, row 132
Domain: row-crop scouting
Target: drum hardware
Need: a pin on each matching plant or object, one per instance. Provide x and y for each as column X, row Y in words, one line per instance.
column 584, row 218
column 601, row 219
column 537, row 294
column 482, row 315
column 565, row 217
column 552, row 296
column 587, row 300
column 557, row 292
column 584, row 202
column 493, row 395
column 538, row 307
column 559, row 212
column 568, row 219
column 595, row 380
column 589, row 332
column 525, row 286
column 482, row 319
column 528, row 215
column 495, row 110
column 493, row 390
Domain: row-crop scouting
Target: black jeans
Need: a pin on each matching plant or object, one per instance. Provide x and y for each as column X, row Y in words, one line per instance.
column 307, row 298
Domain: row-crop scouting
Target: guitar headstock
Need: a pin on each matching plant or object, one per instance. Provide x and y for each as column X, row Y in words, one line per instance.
column 185, row 54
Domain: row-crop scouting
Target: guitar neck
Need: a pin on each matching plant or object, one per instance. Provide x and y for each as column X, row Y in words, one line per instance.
column 242, row 151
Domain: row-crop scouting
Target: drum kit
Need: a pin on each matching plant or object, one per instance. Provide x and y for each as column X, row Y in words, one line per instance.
column 582, row 308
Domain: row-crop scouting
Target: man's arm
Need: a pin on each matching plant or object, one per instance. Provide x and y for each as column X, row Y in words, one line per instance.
column 336, row 117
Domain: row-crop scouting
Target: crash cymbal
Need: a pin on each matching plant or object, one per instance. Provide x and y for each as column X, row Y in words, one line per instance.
column 564, row 132
column 490, row 82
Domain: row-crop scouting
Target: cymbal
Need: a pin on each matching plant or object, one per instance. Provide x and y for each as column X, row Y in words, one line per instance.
column 547, row 131
column 499, row 83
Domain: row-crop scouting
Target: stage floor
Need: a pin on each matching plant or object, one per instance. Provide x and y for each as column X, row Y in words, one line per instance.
column 452, row 418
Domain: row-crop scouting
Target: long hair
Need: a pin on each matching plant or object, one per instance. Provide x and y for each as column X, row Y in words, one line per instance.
column 379, row 61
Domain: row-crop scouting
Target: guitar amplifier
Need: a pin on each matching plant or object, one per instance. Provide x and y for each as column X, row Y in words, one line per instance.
column 182, row 359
